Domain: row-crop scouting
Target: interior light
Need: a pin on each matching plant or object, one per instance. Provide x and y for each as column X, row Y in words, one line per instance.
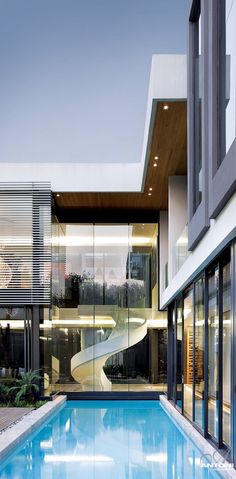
column 165, row 107
column 87, row 241
column 58, row 195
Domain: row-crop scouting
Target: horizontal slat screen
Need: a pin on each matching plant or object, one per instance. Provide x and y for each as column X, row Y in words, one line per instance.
column 25, row 243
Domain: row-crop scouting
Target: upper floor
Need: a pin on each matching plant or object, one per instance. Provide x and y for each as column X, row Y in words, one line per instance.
column 200, row 219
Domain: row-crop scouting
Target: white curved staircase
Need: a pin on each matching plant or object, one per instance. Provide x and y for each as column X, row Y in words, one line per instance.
column 87, row 365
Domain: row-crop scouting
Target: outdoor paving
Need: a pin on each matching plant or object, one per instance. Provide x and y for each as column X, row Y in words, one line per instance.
column 10, row 415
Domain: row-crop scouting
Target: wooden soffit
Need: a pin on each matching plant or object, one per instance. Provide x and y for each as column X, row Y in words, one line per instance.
column 169, row 143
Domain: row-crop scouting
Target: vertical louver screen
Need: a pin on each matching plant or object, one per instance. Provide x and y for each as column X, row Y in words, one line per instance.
column 25, row 243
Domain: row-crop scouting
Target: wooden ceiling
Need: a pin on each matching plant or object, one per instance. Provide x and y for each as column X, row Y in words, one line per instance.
column 169, row 143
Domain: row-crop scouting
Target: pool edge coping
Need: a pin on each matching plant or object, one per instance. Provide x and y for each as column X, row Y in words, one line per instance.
column 13, row 435
column 199, row 441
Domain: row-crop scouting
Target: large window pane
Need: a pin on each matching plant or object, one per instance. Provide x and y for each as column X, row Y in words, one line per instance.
column 213, row 352
column 226, row 367
column 11, row 342
column 199, row 353
column 173, row 339
column 179, row 346
column 198, row 116
column 230, row 73
column 104, row 332
column 188, row 354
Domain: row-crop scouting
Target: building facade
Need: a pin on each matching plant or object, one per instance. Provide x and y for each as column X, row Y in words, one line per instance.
column 95, row 259
column 201, row 284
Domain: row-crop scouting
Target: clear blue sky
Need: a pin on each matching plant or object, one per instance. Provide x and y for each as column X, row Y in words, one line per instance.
column 74, row 75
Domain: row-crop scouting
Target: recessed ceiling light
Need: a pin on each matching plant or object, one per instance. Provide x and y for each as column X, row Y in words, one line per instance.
column 156, row 157
column 142, row 224
column 165, row 107
column 154, row 164
column 58, row 195
column 150, row 189
column 149, row 194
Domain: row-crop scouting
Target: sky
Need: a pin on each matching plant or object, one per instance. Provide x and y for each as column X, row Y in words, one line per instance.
column 75, row 73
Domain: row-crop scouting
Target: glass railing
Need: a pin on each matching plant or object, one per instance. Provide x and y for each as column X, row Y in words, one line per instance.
column 180, row 252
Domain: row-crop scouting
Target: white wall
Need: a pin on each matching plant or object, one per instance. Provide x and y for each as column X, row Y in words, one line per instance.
column 222, row 230
column 177, row 218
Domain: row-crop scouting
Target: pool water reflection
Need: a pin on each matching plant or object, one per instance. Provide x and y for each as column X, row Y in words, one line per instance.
column 104, row 440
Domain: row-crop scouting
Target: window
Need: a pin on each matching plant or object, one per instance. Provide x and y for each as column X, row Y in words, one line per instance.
column 226, row 352
column 230, row 73
column 199, row 346
column 188, row 354
column 213, row 352
column 195, row 106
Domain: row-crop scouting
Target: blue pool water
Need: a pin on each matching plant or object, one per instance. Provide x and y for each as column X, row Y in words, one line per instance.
column 107, row 440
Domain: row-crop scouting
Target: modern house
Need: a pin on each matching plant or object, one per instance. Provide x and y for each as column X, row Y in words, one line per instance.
column 121, row 278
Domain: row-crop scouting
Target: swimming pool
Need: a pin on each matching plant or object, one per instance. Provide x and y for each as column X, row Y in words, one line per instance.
column 107, row 440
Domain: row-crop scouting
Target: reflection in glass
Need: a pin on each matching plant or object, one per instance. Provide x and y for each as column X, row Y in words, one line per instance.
column 188, row 353
column 11, row 342
column 179, row 335
column 226, row 367
column 199, row 353
column 213, row 352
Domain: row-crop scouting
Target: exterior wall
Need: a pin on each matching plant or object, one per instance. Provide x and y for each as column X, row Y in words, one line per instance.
column 221, row 232
column 212, row 225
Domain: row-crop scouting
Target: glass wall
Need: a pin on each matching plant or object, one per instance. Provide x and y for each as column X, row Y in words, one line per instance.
column 12, row 351
column 213, row 351
column 199, row 342
column 202, row 361
column 188, row 354
column 179, row 351
column 104, row 333
column 226, row 352
column 230, row 74
column 198, row 113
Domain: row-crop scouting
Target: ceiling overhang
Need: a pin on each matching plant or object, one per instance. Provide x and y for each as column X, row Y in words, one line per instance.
column 125, row 186
column 166, row 156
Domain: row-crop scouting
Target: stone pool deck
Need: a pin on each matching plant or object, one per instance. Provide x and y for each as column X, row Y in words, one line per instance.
column 26, row 424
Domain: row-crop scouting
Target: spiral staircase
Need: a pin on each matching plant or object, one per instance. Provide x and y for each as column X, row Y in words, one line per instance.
column 87, row 365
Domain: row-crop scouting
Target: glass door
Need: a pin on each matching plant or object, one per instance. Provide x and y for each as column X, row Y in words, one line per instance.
column 199, row 347
column 226, row 354
column 213, row 352
column 188, row 354
column 179, row 353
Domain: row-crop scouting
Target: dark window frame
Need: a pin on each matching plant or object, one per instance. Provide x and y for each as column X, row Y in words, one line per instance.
column 198, row 217
column 230, row 253
column 222, row 165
